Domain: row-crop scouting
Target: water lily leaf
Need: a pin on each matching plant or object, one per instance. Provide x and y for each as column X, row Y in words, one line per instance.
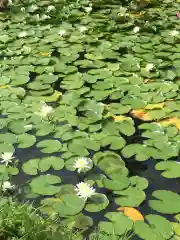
column 31, row 167
column 158, row 228
column 8, row 138
column 44, row 129
column 156, row 114
column 135, row 149
column 164, row 202
column 114, row 228
column 132, row 213
column 18, row 126
column 47, row 78
column 49, row 146
column 79, row 146
column 115, row 142
column 97, row 203
column 20, row 80
column 5, row 38
column 26, row 140
column 66, row 189
column 4, row 80
column 126, row 127
column 54, row 162
column 170, row 169
column 44, row 184
column 79, row 221
column 130, row 64
column 139, row 182
column 111, row 163
column 5, row 147
column 69, row 205
column 117, row 183
column 131, row 197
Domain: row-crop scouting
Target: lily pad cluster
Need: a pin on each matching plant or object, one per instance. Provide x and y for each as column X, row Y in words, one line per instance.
column 85, row 89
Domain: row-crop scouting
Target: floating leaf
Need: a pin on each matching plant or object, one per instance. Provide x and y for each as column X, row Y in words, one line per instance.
column 111, row 163
column 97, row 203
column 168, row 202
column 49, row 146
column 55, row 162
column 117, row 183
column 8, row 138
column 31, row 167
column 114, row 228
column 170, row 169
column 44, row 184
column 131, row 197
column 115, row 142
column 26, row 140
column 67, row 205
column 158, row 228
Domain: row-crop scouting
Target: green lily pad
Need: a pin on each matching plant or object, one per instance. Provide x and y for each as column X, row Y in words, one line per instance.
column 55, row 162
column 115, row 142
column 97, row 203
column 111, row 163
column 44, row 184
column 117, row 183
column 170, row 169
column 164, row 202
column 158, row 228
column 67, row 205
column 26, row 140
column 31, row 167
column 49, row 146
column 118, row 225
column 130, row 197
column 8, row 138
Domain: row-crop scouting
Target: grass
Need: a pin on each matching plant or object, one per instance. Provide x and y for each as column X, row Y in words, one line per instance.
column 21, row 221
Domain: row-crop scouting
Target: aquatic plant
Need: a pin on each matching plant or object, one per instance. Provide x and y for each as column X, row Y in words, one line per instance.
column 87, row 90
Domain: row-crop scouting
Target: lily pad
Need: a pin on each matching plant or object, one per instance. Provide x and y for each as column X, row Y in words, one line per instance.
column 164, row 202
column 55, row 162
column 26, row 140
column 158, row 228
column 49, row 146
column 97, row 203
column 170, row 169
column 44, row 184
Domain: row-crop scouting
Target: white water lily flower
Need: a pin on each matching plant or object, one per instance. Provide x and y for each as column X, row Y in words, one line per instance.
column 50, row 8
column 174, row 33
column 62, row 32
column 149, row 66
column 6, row 157
column 136, row 29
column 7, row 185
column 82, row 29
column 84, row 190
column 88, row 9
column 45, row 110
column 82, row 163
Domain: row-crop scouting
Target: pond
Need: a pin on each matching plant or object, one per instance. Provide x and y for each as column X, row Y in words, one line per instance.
column 89, row 114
